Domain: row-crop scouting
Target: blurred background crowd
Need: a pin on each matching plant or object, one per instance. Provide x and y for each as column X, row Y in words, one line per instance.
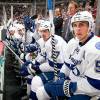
column 29, row 7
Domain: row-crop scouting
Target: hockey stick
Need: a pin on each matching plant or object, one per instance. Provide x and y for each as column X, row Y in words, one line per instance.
column 6, row 44
column 50, row 8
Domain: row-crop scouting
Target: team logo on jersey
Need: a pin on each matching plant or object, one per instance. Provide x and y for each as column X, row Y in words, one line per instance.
column 75, row 61
column 76, row 51
column 76, row 71
column 97, row 45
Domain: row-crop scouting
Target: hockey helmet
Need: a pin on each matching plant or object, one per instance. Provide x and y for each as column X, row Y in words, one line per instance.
column 83, row 16
column 44, row 25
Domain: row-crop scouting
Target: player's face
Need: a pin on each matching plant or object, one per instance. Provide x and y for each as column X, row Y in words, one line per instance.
column 45, row 34
column 21, row 31
column 12, row 32
column 81, row 30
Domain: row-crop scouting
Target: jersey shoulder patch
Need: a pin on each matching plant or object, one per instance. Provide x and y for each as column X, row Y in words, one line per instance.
column 97, row 45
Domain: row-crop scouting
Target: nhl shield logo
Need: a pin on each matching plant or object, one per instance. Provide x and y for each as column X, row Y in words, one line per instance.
column 97, row 45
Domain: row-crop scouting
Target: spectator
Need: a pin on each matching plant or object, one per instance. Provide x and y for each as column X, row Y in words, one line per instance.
column 94, row 11
column 80, row 6
column 72, row 9
column 58, row 21
column 88, row 7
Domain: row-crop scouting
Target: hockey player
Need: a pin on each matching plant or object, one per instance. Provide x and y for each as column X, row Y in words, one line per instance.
column 44, row 64
column 82, row 64
column 12, row 39
column 31, row 47
column 21, row 32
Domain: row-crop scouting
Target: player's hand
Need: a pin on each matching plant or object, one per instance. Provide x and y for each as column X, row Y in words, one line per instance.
column 24, row 69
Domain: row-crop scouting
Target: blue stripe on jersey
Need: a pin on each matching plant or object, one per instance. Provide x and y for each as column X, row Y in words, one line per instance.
column 29, row 80
column 94, row 82
column 47, row 76
column 37, row 63
column 74, row 69
column 51, row 63
column 70, row 66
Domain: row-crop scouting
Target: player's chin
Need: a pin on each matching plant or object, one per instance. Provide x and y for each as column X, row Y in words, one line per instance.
column 79, row 37
column 45, row 38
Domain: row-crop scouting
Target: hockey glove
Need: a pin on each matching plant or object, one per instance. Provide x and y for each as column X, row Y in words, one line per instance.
column 69, row 88
column 62, row 76
column 31, row 48
column 29, row 23
column 34, row 68
column 23, row 70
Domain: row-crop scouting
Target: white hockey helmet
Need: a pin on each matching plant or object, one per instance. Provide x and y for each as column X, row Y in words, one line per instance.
column 44, row 25
column 83, row 16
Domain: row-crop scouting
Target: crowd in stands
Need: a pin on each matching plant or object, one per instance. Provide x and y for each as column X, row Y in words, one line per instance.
column 21, row 10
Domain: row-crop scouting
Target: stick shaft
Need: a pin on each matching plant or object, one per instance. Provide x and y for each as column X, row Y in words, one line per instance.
column 5, row 43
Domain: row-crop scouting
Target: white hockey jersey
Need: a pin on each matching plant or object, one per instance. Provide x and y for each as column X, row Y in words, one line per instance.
column 30, row 35
column 46, row 51
column 83, row 65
